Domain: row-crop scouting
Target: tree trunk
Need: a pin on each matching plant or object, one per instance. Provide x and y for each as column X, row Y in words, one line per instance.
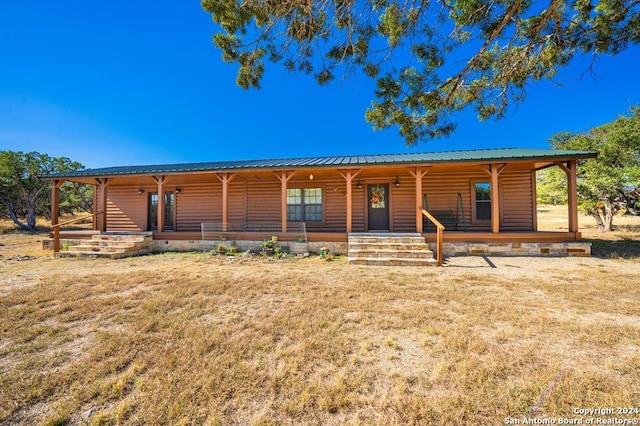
column 14, row 218
column 13, row 215
column 31, row 218
column 31, row 215
column 608, row 217
column 603, row 217
column 32, row 203
column 599, row 221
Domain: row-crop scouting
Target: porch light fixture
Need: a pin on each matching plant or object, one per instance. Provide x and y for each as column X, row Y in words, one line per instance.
column 311, row 176
column 140, row 191
column 359, row 184
column 178, row 190
column 396, row 183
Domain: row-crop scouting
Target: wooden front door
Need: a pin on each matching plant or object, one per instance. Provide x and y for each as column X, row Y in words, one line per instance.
column 378, row 206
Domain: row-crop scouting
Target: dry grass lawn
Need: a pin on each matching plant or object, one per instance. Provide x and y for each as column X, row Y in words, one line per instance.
column 623, row 241
column 200, row 339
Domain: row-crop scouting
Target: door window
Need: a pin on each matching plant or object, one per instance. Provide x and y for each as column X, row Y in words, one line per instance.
column 169, row 211
column 377, row 197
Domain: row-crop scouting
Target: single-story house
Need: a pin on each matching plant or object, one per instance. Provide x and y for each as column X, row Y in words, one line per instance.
column 484, row 199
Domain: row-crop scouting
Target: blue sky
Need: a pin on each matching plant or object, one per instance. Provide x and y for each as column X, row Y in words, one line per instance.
column 125, row 83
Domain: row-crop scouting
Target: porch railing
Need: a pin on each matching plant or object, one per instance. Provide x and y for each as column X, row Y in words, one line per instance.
column 56, row 229
column 439, row 231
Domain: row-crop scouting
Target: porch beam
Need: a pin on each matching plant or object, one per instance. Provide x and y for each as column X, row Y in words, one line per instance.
column 225, row 178
column 284, row 177
column 419, row 173
column 489, row 169
column 160, row 181
column 571, row 170
column 103, row 184
column 348, row 176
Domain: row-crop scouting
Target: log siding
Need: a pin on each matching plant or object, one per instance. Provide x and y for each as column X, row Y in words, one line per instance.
column 198, row 203
column 256, row 199
column 126, row 208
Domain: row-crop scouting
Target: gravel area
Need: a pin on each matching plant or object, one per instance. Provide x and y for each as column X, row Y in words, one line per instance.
column 537, row 266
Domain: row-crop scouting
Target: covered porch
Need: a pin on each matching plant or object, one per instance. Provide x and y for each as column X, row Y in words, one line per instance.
column 491, row 199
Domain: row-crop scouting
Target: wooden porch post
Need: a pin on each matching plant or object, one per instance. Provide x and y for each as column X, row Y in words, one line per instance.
column 495, row 201
column 419, row 173
column 55, row 213
column 103, row 183
column 225, row 178
column 573, row 196
column 55, row 201
column 284, row 178
column 494, row 171
column 571, row 170
column 349, row 180
column 160, row 180
column 348, row 177
column 283, row 199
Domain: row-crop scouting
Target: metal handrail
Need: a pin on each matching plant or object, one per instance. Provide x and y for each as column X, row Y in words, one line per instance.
column 440, row 228
column 56, row 229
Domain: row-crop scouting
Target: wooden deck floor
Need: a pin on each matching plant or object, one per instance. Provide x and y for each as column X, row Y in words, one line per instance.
column 511, row 237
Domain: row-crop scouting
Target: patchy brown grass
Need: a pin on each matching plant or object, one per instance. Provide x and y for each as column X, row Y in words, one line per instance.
column 622, row 242
column 198, row 339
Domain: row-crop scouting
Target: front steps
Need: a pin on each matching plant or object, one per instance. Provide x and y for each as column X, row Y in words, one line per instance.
column 389, row 249
column 111, row 246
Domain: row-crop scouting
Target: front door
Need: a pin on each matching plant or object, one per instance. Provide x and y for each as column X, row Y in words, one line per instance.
column 168, row 211
column 378, row 206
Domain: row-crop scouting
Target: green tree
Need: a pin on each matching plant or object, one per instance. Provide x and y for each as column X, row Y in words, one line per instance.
column 429, row 58
column 607, row 184
column 551, row 186
column 75, row 197
column 23, row 192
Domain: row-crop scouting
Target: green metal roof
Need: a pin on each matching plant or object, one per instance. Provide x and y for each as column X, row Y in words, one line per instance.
column 488, row 155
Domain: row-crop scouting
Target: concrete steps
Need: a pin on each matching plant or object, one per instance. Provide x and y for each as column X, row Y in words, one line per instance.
column 111, row 246
column 389, row 249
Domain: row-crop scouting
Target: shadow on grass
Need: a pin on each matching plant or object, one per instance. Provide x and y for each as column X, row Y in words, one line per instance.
column 40, row 229
column 16, row 231
column 617, row 249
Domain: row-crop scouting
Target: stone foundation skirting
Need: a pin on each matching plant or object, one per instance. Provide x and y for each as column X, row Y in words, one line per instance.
column 571, row 249
column 286, row 246
column 208, row 245
column 47, row 243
